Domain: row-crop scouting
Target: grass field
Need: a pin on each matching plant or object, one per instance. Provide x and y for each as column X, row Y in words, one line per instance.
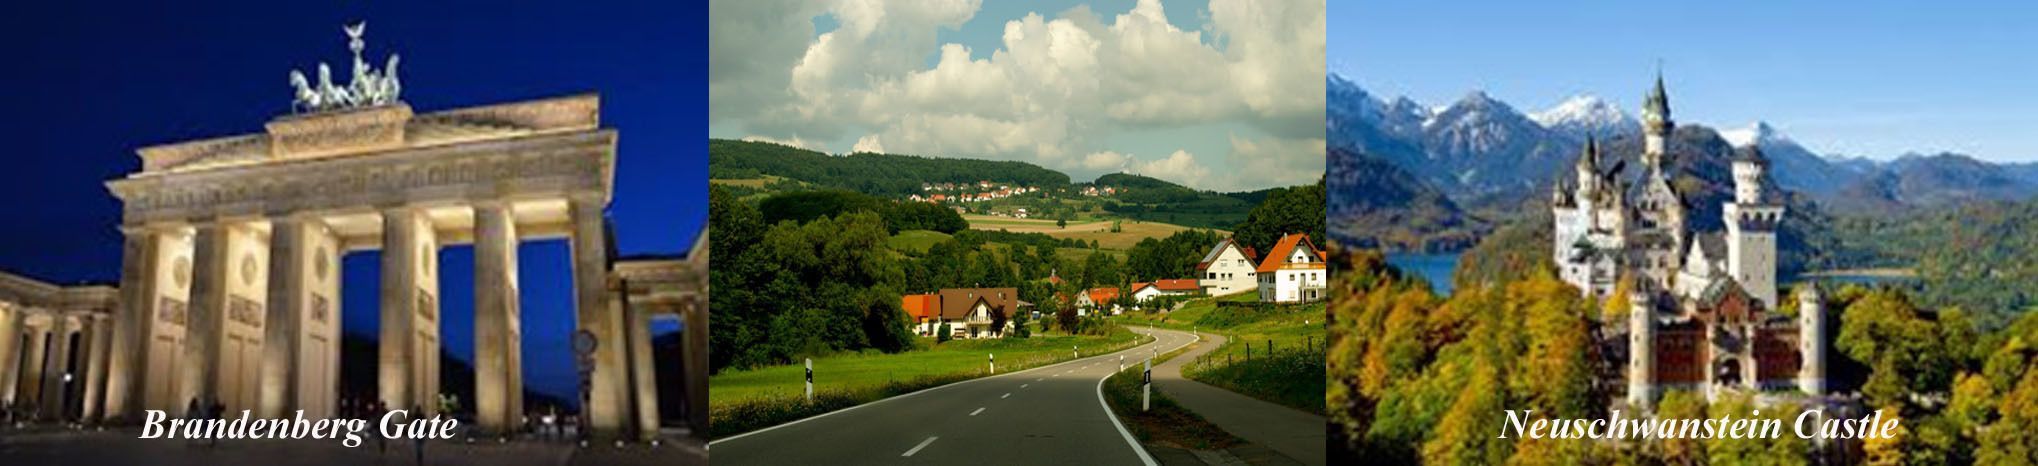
column 916, row 240
column 1130, row 231
column 745, row 400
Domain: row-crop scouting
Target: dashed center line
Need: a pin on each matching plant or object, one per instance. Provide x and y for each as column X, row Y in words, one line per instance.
column 973, row 413
column 1007, row 395
column 923, row 444
column 1023, row 385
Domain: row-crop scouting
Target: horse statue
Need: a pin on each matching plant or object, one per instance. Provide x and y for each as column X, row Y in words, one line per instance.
column 334, row 96
column 391, row 87
column 308, row 100
column 368, row 86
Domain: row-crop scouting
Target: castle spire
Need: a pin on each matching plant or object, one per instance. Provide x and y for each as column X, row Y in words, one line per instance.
column 1656, row 124
column 1656, row 107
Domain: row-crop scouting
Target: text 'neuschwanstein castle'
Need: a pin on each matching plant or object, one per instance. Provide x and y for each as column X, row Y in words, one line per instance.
column 1703, row 305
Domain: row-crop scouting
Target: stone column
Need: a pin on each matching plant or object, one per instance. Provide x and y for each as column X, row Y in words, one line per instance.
column 283, row 329
column 643, row 374
column 495, row 320
column 606, row 399
column 134, row 323
column 399, row 306
column 695, row 364
column 28, row 390
column 95, row 368
column 10, row 351
column 207, row 321
column 55, row 387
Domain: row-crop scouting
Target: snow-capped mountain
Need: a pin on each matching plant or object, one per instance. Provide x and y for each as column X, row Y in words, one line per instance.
column 1481, row 149
column 1587, row 115
column 1759, row 131
column 1796, row 168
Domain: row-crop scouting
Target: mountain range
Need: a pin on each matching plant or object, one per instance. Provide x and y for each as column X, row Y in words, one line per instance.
column 1482, row 152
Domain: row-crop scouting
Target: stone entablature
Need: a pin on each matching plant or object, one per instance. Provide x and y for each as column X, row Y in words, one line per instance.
column 542, row 149
column 373, row 129
column 28, row 292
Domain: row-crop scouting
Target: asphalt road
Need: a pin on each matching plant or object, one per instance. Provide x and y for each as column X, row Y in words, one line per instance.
column 1298, row 435
column 1045, row 415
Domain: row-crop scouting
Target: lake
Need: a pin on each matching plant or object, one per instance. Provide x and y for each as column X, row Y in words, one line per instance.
column 1436, row 268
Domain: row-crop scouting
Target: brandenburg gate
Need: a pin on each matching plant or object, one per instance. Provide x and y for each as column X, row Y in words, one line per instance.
column 230, row 283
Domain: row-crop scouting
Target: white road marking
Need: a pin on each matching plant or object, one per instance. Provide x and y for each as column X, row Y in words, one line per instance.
column 923, row 444
column 1007, row 395
column 1136, row 448
column 973, row 413
column 1023, row 385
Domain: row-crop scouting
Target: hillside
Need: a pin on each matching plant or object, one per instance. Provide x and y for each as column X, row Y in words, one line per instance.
column 876, row 174
column 1374, row 204
column 1152, row 199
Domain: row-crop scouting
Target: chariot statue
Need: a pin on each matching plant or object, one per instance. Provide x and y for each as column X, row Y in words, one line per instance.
column 367, row 87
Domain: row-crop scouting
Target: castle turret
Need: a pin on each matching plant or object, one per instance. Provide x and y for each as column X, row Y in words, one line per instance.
column 1588, row 171
column 1811, row 318
column 1656, row 124
column 1751, row 228
column 1641, row 347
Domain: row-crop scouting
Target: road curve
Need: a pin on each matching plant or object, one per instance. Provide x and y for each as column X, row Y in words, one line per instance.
column 1045, row 415
column 1298, row 435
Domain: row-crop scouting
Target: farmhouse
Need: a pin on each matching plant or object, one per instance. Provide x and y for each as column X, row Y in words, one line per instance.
column 1227, row 269
column 1293, row 272
column 1097, row 298
column 969, row 312
column 1143, row 291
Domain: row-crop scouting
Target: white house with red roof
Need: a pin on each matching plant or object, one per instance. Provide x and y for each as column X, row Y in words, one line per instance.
column 1104, row 299
column 1227, row 269
column 1144, row 291
column 1293, row 272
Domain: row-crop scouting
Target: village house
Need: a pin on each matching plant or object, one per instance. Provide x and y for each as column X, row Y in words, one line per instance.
column 924, row 310
column 969, row 312
column 1099, row 299
column 1227, row 269
column 1293, row 272
column 1143, row 291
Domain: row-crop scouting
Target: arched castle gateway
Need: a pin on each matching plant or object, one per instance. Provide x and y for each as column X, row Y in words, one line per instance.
column 230, row 282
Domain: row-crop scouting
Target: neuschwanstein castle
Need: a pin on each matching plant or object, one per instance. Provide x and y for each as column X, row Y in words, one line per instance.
column 1703, row 304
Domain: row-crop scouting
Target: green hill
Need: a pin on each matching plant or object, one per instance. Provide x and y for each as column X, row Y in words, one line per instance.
column 875, row 174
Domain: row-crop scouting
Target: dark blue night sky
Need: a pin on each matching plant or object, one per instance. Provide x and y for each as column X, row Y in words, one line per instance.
column 86, row 83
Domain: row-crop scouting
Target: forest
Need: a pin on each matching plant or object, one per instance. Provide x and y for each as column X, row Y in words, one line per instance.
column 1416, row 378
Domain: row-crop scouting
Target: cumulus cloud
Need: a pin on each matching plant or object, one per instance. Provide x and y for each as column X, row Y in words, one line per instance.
column 1180, row 167
column 1058, row 91
column 869, row 143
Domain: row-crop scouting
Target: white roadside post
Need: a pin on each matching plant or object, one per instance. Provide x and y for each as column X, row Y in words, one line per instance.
column 994, row 363
column 810, row 380
column 1075, row 353
column 1146, row 389
column 1121, row 362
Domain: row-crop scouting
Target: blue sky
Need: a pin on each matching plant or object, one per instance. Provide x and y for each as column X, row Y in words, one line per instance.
column 89, row 82
column 1873, row 78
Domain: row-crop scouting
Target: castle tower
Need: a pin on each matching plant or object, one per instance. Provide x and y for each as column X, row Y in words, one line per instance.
column 1659, row 239
column 1571, row 207
column 1751, row 228
column 1811, row 317
column 1642, row 347
column 1656, row 124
